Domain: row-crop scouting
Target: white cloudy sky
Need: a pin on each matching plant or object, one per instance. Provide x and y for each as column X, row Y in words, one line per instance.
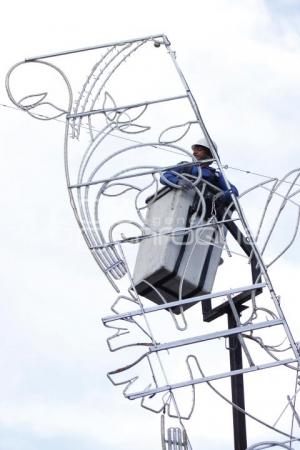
column 242, row 61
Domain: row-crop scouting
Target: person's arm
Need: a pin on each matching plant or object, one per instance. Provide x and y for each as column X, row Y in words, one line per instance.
column 171, row 175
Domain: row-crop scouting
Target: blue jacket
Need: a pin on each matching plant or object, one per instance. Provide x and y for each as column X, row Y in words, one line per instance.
column 208, row 173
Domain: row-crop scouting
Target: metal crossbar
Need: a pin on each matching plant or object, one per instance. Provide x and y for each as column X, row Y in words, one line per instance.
column 126, row 107
column 216, row 335
column 192, row 382
column 95, row 47
column 199, row 298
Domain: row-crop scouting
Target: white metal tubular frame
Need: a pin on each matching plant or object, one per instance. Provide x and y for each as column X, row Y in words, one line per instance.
column 109, row 252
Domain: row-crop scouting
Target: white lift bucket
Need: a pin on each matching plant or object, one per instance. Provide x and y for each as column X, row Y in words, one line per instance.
column 170, row 267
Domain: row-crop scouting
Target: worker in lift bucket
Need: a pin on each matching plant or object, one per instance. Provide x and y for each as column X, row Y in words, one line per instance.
column 181, row 174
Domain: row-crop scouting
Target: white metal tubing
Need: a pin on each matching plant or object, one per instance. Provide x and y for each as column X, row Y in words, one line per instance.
column 200, row 298
column 176, row 232
column 192, row 382
column 126, row 107
column 294, row 410
column 145, row 172
column 78, row 50
column 215, row 335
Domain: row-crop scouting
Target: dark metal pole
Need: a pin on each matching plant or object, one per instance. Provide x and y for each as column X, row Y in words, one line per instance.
column 237, row 388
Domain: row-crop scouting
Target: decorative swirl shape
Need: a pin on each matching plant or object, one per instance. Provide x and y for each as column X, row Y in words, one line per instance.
column 122, row 222
column 183, row 129
column 39, row 97
column 121, row 118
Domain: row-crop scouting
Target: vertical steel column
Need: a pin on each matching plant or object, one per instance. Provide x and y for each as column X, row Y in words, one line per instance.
column 237, row 388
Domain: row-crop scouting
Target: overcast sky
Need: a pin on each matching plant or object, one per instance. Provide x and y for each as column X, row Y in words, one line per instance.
column 242, row 61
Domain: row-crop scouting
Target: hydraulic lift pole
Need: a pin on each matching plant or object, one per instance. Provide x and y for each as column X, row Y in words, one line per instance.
column 237, row 388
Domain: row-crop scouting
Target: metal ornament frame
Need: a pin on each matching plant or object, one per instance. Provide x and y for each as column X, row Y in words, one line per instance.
column 122, row 122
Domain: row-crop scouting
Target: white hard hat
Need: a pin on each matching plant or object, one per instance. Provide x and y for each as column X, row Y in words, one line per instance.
column 203, row 143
